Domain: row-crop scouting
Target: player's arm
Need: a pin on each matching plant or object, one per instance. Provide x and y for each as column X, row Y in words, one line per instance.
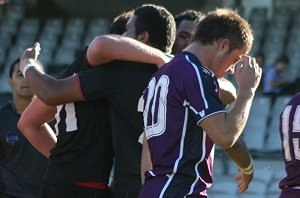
column 50, row 90
column 240, row 155
column 33, row 126
column 106, row 48
column 230, row 125
column 227, row 91
column 146, row 163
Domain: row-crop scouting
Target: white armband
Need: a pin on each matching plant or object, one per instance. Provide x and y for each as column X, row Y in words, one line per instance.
column 249, row 170
column 26, row 68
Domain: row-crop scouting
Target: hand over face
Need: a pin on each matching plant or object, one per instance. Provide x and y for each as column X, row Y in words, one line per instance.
column 247, row 73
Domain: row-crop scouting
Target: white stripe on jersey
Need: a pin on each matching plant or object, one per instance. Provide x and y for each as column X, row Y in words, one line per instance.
column 57, row 118
column 196, row 165
column 71, row 120
column 151, row 173
column 180, row 154
column 200, row 81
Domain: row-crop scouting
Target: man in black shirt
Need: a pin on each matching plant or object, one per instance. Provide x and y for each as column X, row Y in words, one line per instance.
column 120, row 83
column 80, row 161
column 21, row 166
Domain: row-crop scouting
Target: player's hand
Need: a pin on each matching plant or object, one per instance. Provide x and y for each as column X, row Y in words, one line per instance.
column 244, row 181
column 29, row 55
column 247, row 74
column 32, row 52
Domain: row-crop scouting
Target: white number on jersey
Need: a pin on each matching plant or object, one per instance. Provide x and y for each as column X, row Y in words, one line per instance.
column 71, row 120
column 158, row 109
column 285, row 132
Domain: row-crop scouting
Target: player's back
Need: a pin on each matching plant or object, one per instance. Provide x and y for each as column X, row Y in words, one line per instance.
column 290, row 135
column 81, row 127
column 175, row 102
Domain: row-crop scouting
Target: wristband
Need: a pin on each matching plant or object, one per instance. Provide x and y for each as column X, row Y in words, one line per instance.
column 248, row 170
column 26, row 68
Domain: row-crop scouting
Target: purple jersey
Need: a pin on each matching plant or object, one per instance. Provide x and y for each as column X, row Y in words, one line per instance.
column 179, row 96
column 290, row 136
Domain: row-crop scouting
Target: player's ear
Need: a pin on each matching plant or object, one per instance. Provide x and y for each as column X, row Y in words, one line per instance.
column 143, row 37
column 224, row 46
column 10, row 82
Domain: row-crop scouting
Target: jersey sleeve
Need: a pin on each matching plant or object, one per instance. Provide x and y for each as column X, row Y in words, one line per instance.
column 202, row 93
column 97, row 83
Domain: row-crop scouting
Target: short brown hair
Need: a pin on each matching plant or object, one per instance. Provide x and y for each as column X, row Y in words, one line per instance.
column 225, row 23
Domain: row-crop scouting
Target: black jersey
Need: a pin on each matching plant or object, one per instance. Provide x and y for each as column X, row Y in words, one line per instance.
column 21, row 166
column 83, row 152
column 122, row 84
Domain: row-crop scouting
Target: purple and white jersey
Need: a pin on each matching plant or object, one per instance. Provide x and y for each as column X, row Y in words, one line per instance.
column 290, row 136
column 179, row 96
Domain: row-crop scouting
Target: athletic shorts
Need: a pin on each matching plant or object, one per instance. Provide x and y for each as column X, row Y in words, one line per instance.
column 289, row 193
column 72, row 191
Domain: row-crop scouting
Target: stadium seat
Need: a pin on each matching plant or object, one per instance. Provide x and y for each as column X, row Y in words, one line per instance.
column 71, row 41
column 4, row 86
column 75, row 26
column 64, row 56
column 46, row 57
column 48, row 40
column 30, row 25
column 26, row 40
column 256, row 188
column 54, row 26
column 218, row 167
column 226, row 187
column 9, row 26
column 273, row 189
column 255, row 130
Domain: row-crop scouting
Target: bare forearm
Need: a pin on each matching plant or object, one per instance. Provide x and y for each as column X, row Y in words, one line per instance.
column 112, row 47
column 237, row 117
column 43, row 138
column 41, row 84
column 239, row 153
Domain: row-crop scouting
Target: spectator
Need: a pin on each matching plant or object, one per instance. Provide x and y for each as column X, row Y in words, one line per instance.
column 276, row 77
column 21, row 165
column 186, row 23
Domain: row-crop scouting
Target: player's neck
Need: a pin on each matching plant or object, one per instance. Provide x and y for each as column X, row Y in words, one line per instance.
column 202, row 52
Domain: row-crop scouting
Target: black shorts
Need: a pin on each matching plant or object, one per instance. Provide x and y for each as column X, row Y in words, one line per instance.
column 3, row 195
column 123, row 195
column 72, row 191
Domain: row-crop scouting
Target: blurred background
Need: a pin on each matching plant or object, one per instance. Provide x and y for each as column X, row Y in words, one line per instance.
column 64, row 27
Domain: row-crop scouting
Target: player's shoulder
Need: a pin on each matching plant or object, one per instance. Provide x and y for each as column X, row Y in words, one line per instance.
column 295, row 100
column 7, row 107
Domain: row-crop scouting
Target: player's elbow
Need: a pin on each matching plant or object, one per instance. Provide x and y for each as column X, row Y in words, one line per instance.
column 22, row 125
column 226, row 142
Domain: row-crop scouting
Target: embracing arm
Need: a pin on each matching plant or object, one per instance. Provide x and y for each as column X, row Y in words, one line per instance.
column 240, row 155
column 48, row 89
column 106, row 48
column 33, row 125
